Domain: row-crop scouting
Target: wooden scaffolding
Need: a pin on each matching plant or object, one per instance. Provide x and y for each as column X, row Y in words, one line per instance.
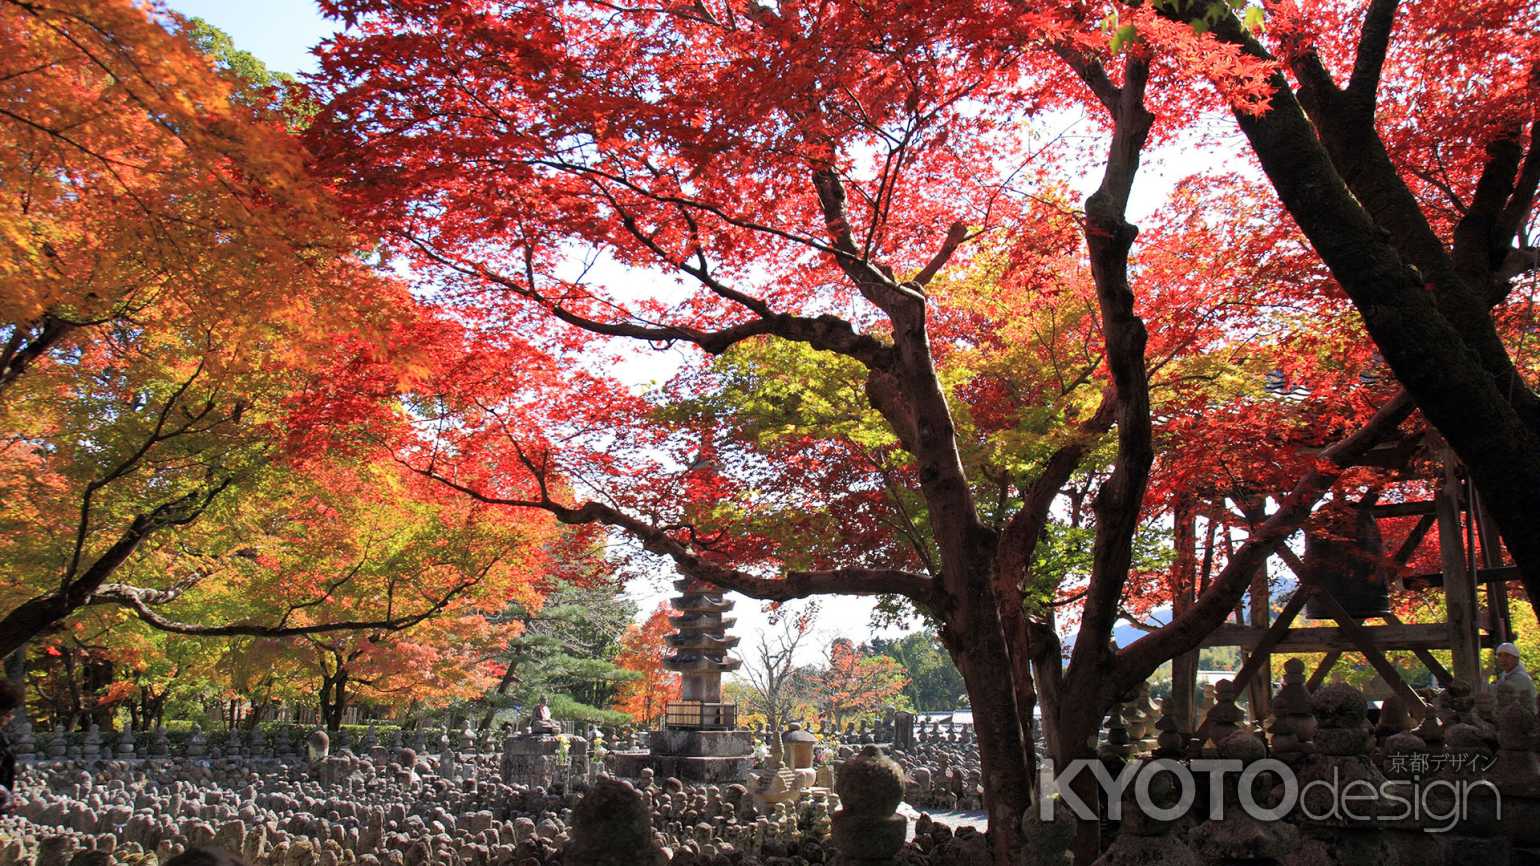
column 1473, row 579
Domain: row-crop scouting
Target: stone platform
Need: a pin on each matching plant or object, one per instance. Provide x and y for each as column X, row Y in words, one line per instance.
column 690, row 756
column 703, row 744
column 530, row 759
column 688, row 768
column 692, row 768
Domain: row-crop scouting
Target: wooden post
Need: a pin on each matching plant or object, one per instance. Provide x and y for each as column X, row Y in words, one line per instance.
column 1491, row 557
column 1459, row 590
column 1184, row 668
column 1260, row 694
column 1318, row 675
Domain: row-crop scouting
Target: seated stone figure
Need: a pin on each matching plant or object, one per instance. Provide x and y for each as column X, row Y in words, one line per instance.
column 542, row 723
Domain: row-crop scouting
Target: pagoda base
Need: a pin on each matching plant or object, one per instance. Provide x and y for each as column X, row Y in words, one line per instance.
column 706, row 769
column 691, row 755
column 688, row 742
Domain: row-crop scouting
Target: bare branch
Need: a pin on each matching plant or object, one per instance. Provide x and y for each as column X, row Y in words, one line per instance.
column 954, row 238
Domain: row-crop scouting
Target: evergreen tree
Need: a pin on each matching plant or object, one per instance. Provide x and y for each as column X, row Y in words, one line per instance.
column 935, row 685
column 565, row 653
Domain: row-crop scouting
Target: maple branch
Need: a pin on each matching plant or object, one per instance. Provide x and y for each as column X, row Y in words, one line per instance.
column 141, row 602
column 156, row 435
column 699, row 271
column 133, row 599
column 826, row 332
column 37, row 614
column 1092, row 73
column 1139, row 659
column 27, row 344
column 909, row 394
column 791, row 585
column 593, row 175
column 1479, row 244
column 1018, row 541
column 1517, row 262
column 1511, row 221
column 877, row 286
column 1110, row 236
column 1373, row 42
column 1034, row 644
column 954, row 238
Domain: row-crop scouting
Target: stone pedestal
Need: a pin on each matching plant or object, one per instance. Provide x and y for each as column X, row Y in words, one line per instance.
column 701, row 756
column 530, row 760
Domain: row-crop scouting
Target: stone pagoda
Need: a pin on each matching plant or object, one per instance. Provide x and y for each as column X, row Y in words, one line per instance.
column 699, row 741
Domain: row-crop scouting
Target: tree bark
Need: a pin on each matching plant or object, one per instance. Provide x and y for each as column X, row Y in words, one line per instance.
column 333, row 698
column 37, row 615
column 976, row 642
column 1434, row 341
column 1184, row 668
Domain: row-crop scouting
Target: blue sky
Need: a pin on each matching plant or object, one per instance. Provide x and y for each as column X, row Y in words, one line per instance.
column 279, row 32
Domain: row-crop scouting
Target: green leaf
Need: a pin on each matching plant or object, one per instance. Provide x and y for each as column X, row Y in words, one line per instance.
column 1127, row 33
column 1253, row 19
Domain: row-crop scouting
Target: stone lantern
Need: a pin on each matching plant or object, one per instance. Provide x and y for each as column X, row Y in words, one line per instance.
column 797, row 747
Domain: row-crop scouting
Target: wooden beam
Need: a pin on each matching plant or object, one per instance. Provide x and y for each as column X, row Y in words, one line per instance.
column 1366, row 645
column 1414, row 538
column 1402, row 509
column 1459, row 589
column 1318, row 675
column 1317, row 639
column 1500, row 574
column 1440, row 672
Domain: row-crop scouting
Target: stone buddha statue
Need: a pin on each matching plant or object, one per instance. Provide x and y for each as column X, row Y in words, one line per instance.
column 542, row 723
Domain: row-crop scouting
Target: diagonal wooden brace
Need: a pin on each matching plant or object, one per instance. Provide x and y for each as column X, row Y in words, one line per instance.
column 1264, row 647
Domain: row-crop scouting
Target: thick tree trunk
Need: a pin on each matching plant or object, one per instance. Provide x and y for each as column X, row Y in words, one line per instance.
column 1083, row 705
column 333, row 699
column 98, row 675
column 977, row 644
column 1446, row 363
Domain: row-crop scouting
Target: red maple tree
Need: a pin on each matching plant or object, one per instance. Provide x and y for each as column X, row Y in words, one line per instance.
column 905, row 342
column 642, row 650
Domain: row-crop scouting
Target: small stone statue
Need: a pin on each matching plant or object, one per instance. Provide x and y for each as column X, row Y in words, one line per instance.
column 867, row 830
column 23, row 744
column 317, row 746
column 125, row 747
column 1225, row 718
column 160, row 745
column 92, row 748
column 542, row 723
column 197, row 744
column 58, row 745
column 1293, row 723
